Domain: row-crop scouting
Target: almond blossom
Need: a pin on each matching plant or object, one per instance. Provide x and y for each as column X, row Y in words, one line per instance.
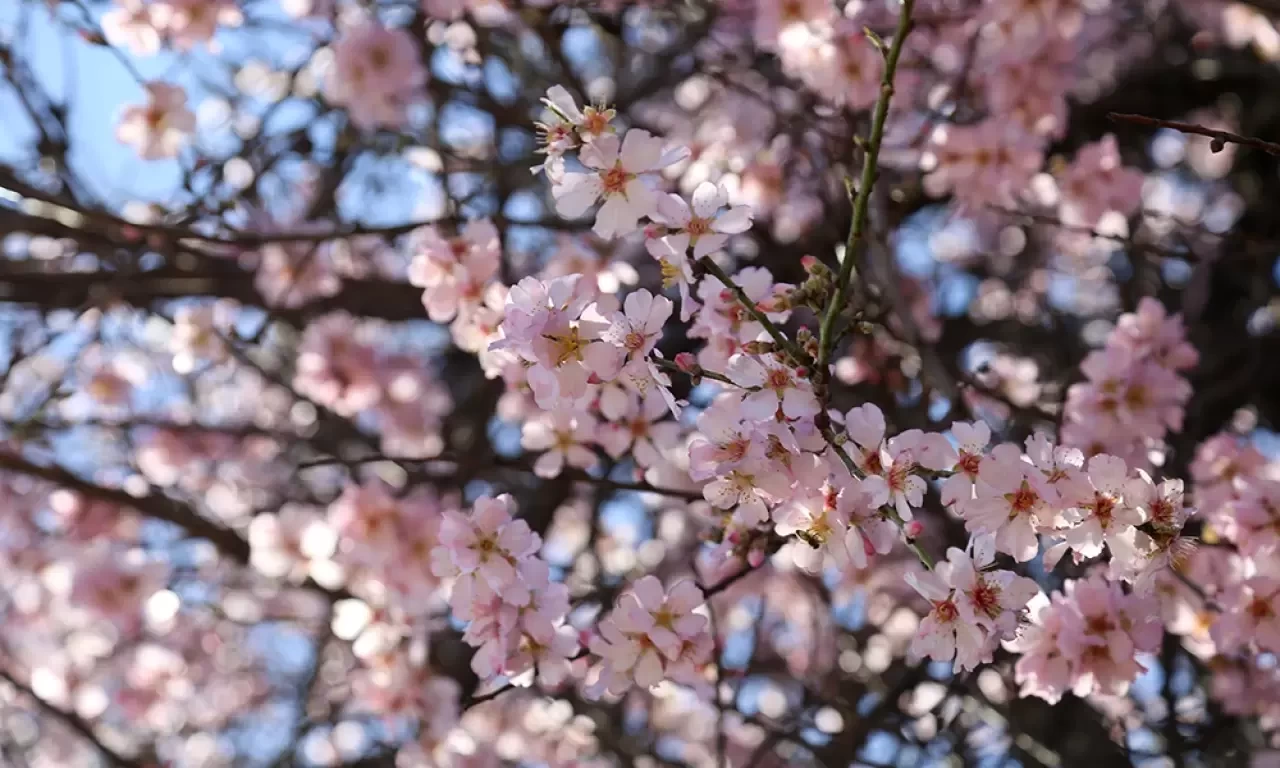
column 632, row 333
column 377, row 72
column 651, row 634
column 623, row 173
column 897, row 482
column 1251, row 615
column 973, row 438
column 1012, row 503
column 1103, row 515
column 702, row 226
column 943, row 635
column 489, row 543
column 1085, row 639
column 640, row 431
column 991, row 599
column 566, row 436
column 454, row 273
column 160, row 128
column 777, row 388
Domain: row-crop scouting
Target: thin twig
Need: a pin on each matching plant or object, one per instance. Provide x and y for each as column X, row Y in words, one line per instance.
column 870, row 172
column 780, row 338
column 1220, row 138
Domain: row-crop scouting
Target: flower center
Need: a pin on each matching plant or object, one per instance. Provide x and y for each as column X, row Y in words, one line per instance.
column 1100, row 625
column 1104, row 508
column 1021, row 501
column 596, row 121
column 615, row 180
column 779, row 378
column 946, row 611
column 986, row 598
column 1260, row 609
column 634, row 341
column 1136, row 397
column 871, row 462
column 791, row 10
column 968, row 463
column 568, row 346
column 697, row 227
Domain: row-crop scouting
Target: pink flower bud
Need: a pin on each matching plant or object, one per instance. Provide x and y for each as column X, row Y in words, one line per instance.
column 913, row 529
column 867, row 546
column 802, row 372
column 808, row 262
column 686, row 362
column 755, row 558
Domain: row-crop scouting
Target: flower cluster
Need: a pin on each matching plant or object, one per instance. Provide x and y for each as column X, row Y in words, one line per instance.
column 1133, row 394
column 973, row 606
column 1086, row 640
column 652, row 635
column 503, row 590
column 377, row 73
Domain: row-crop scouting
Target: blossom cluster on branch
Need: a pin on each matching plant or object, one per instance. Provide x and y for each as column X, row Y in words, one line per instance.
column 722, row 383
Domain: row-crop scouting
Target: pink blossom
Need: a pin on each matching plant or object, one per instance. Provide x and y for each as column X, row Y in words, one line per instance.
column 1153, row 332
column 1111, row 630
column 991, row 599
column 566, row 437
column 623, row 173
column 821, row 526
column 1096, row 182
column 1103, row 515
column 1251, row 615
column 749, row 489
column 778, row 388
column 336, row 367
column 1010, row 503
column 294, row 272
column 897, row 483
column 990, row 163
column 943, row 635
column 569, row 127
column 160, row 128
column 366, row 519
column 677, row 269
column 777, row 17
column 725, row 440
column 650, row 635
column 114, row 590
column 846, row 69
column 188, row 23
column 282, row 545
column 640, row 431
column 455, row 272
column 133, row 24
column 1085, row 640
column 870, row 531
column 489, row 543
column 702, row 226
column 632, row 333
column 377, row 72
column 973, row 438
